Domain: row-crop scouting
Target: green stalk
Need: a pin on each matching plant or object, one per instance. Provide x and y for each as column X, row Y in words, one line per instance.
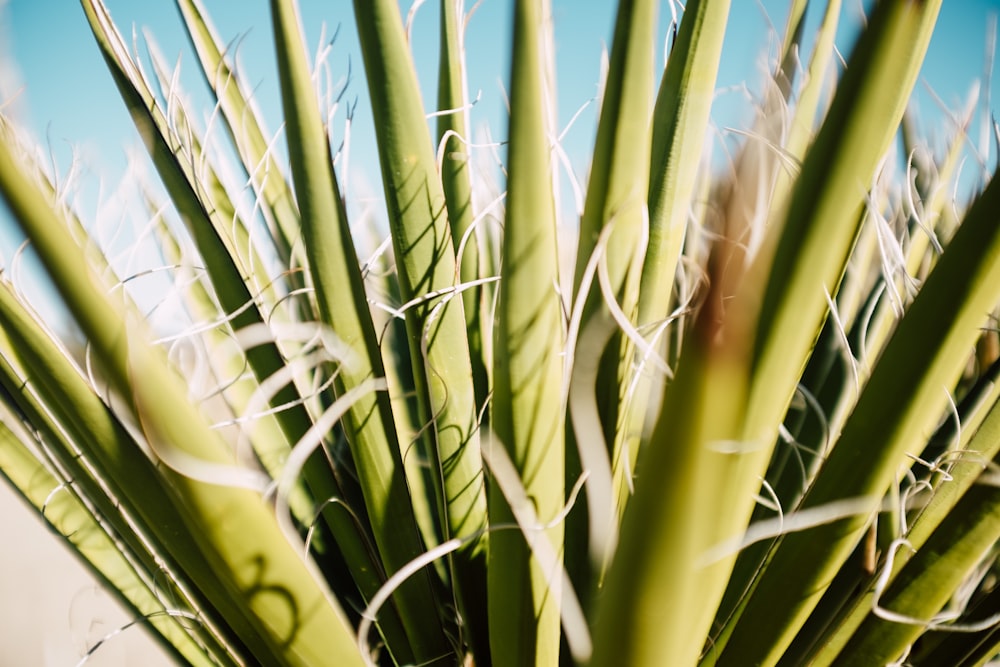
column 654, row 602
column 615, row 206
column 791, row 46
column 801, row 129
column 981, row 447
column 679, row 124
column 264, row 432
column 456, row 168
column 261, row 584
column 425, row 260
column 60, row 418
column 242, row 121
column 929, row 579
column 926, row 356
column 79, row 429
column 962, row 649
column 817, row 236
column 823, row 213
column 455, row 164
column 340, row 294
column 757, row 203
column 678, row 127
column 680, row 121
column 200, row 212
column 69, row 518
column 527, row 398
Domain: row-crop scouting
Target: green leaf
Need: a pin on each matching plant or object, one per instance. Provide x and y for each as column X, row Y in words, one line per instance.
column 926, row 355
column 426, row 266
column 68, row 517
column 340, row 295
column 528, row 366
column 246, row 129
column 454, row 155
column 615, row 210
column 680, row 123
column 270, row 596
column 655, row 601
column 924, row 585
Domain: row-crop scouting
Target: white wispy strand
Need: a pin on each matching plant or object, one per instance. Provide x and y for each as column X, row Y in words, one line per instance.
column 789, row 523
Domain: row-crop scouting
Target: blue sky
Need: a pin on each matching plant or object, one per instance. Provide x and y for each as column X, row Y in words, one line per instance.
column 69, row 100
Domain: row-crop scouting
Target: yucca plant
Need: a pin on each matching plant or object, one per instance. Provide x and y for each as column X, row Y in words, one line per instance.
column 757, row 426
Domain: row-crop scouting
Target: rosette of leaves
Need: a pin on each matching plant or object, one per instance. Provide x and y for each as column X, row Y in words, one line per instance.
column 757, row 426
